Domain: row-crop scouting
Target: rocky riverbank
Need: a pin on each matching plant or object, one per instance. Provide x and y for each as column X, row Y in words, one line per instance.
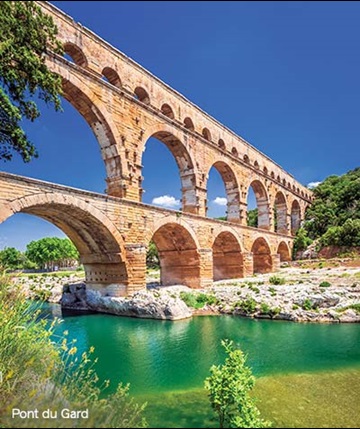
column 322, row 294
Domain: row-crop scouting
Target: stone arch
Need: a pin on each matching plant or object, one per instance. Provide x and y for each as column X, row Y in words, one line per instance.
column 256, row 165
column 280, row 211
column 262, row 203
column 206, row 134
column 189, row 124
column 173, row 141
column 234, row 152
column 284, row 252
column 142, row 95
column 231, row 188
column 295, row 216
column 75, row 53
column 97, row 239
column 112, row 76
column 284, row 182
column 272, row 175
column 262, row 260
column 221, row 144
column 265, row 171
column 167, row 111
column 246, row 159
column 227, row 257
column 102, row 126
column 178, row 254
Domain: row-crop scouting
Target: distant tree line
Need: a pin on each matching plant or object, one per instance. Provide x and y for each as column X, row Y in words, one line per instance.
column 46, row 253
column 334, row 216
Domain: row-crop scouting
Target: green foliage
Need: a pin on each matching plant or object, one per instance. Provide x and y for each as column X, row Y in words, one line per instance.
column 248, row 306
column 324, row 284
column 27, row 34
column 252, row 218
column 198, row 300
column 10, row 258
column 38, row 373
column 308, row 304
column 229, row 387
column 301, row 240
column 49, row 252
column 264, row 308
column 152, row 256
column 334, row 216
column 221, row 218
column 276, row 280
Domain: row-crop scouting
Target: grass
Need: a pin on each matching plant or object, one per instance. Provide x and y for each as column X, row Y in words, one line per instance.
column 324, row 284
column 198, row 301
column 276, row 280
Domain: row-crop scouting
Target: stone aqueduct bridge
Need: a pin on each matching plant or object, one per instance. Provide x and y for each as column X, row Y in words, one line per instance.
column 125, row 105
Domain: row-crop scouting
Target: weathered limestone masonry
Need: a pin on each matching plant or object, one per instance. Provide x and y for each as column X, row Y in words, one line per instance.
column 125, row 105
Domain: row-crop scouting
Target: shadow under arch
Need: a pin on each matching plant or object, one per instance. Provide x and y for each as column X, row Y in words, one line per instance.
column 227, row 257
column 178, row 254
column 102, row 128
column 284, row 252
column 98, row 241
column 185, row 164
column 231, row 188
column 262, row 260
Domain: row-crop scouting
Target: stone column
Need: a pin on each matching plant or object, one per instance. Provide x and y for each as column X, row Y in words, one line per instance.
column 248, row 263
column 206, row 268
column 275, row 262
column 123, row 187
column 136, row 267
column 243, row 213
column 233, row 206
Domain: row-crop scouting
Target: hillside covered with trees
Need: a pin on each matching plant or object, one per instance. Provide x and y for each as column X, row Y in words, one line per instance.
column 334, row 217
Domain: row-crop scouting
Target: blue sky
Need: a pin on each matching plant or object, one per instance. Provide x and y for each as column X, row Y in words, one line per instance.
column 283, row 75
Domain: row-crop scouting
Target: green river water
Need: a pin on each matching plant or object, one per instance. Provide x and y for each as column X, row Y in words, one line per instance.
column 308, row 375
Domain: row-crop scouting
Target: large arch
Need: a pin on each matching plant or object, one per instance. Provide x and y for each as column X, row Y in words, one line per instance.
column 262, row 260
column 184, row 162
column 284, row 252
column 101, row 125
column 227, row 257
column 280, row 214
column 262, row 203
column 178, row 254
column 97, row 239
column 231, row 188
column 295, row 216
column 75, row 53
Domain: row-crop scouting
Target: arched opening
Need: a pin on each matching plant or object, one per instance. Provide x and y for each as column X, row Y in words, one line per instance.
column 280, row 214
column 246, row 159
column 221, row 144
column 234, row 152
column 179, row 259
column 262, row 260
column 258, row 213
column 188, row 123
column 295, row 217
column 112, row 77
column 95, row 237
column 256, row 165
column 167, row 111
column 74, row 54
column 227, row 257
column 206, row 134
column 278, row 179
column 265, row 170
column 165, row 150
column 141, row 95
column 284, row 182
column 226, row 208
column 272, row 175
column 103, row 133
column 284, row 252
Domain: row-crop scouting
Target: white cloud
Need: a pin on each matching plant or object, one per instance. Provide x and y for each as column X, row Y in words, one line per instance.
column 220, row 201
column 166, row 201
column 313, row 185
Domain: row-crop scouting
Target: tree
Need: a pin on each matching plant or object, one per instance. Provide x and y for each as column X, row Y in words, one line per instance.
column 252, row 218
column 50, row 251
column 152, row 256
column 229, row 386
column 27, row 34
column 11, row 258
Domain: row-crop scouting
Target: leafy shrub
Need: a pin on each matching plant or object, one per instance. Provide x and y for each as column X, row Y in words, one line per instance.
column 324, row 284
column 276, row 280
column 264, row 308
column 272, row 291
column 199, row 300
column 248, row 306
column 308, row 304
